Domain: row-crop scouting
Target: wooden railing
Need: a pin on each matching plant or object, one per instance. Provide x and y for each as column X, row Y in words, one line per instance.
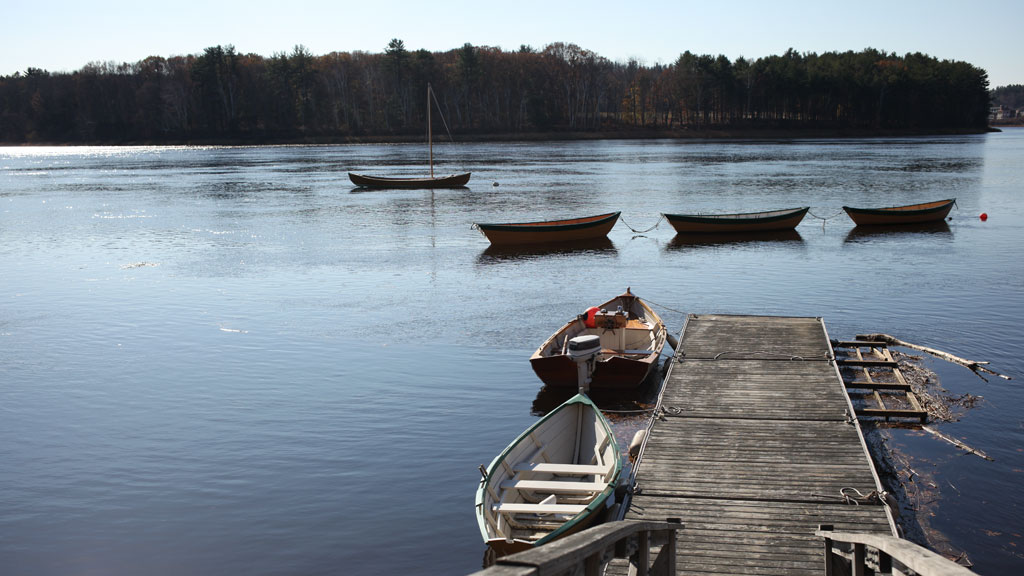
column 856, row 554
column 585, row 553
column 859, row 554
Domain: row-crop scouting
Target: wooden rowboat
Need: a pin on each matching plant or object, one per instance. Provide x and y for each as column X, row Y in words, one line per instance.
column 555, row 479
column 734, row 223
column 632, row 337
column 453, row 181
column 910, row 214
column 586, row 228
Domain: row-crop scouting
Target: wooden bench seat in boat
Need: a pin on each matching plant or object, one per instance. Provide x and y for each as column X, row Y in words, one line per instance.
column 525, row 508
column 554, row 486
column 558, row 468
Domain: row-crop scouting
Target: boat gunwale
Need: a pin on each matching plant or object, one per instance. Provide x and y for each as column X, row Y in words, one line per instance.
column 739, row 218
column 599, row 499
column 906, row 210
column 655, row 349
column 551, row 225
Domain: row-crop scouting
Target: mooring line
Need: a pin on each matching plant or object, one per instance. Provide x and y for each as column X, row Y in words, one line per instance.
column 635, row 231
column 649, row 301
column 821, row 218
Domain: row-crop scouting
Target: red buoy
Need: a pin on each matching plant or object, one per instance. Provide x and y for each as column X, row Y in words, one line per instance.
column 591, row 321
column 984, row 216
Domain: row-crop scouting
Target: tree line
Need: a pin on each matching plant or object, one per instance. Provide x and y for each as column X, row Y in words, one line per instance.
column 223, row 95
column 1011, row 96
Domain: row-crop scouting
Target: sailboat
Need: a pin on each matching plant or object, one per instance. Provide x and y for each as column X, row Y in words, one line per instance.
column 450, row 181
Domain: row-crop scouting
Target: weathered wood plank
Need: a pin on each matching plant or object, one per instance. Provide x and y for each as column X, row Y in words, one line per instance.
column 858, row 344
column 754, row 449
column 756, row 388
column 731, row 536
column 857, row 384
column 869, row 363
column 891, row 413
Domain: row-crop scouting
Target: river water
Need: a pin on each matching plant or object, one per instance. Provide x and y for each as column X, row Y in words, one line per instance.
column 228, row 360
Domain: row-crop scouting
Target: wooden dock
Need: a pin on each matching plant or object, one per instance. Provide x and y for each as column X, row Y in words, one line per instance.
column 756, row 447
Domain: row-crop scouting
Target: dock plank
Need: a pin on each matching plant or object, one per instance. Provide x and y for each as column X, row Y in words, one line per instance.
column 754, row 449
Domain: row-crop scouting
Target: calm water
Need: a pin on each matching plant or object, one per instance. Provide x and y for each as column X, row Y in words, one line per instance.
column 228, row 361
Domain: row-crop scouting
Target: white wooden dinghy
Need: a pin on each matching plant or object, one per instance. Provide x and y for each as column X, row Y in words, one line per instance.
column 556, row 478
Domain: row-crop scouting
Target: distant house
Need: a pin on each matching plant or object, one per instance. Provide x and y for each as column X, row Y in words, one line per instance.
column 1004, row 113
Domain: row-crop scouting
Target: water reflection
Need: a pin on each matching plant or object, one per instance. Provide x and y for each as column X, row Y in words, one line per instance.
column 684, row 241
column 363, row 189
column 902, row 231
column 498, row 254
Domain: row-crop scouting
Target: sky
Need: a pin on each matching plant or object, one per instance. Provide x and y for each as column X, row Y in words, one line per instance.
column 65, row 35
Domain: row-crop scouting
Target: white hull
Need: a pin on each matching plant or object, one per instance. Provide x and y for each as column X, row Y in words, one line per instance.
column 555, row 478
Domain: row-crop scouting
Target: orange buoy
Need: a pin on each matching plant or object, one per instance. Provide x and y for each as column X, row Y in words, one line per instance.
column 984, row 216
column 591, row 321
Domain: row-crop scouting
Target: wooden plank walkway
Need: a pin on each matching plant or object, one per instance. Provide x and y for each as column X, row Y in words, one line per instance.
column 755, row 446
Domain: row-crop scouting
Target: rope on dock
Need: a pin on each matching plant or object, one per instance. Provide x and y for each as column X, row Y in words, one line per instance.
column 869, row 498
column 824, row 355
column 635, row 231
column 668, row 411
column 874, row 497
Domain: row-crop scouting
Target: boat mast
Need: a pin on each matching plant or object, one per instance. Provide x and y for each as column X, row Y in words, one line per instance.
column 430, row 133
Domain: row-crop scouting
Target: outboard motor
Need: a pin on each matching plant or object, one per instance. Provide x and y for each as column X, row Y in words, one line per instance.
column 583, row 350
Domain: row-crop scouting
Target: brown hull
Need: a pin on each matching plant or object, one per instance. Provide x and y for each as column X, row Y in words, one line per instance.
column 736, row 223
column 616, row 373
column 571, row 230
column 453, row 181
column 618, row 367
column 911, row 214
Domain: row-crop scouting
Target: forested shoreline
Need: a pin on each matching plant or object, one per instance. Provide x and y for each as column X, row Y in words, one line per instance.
column 562, row 90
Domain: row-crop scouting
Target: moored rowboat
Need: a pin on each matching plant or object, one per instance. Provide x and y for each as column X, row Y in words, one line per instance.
column 586, row 228
column 555, row 479
column 910, row 214
column 453, row 181
column 733, row 223
column 632, row 336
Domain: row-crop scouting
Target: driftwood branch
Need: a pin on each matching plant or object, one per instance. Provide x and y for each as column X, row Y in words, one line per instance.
column 957, row 443
column 971, row 364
